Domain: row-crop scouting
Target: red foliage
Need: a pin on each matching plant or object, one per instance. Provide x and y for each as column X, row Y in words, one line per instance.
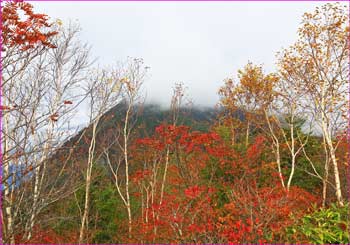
column 42, row 236
column 186, row 216
column 343, row 149
column 267, row 210
column 195, row 148
column 184, row 212
column 4, row 107
column 257, row 212
column 54, row 117
column 67, row 102
column 27, row 31
column 140, row 175
column 193, row 192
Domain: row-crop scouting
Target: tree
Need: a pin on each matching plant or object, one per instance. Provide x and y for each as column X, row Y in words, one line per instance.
column 132, row 76
column 290, row 122
column 255, row 94
column 318, row 63
column 257, row 209
column 37, row 87
column 22, row 33
column 23, row 39
column 174, row 208
column 104, row 89
column 230, row 103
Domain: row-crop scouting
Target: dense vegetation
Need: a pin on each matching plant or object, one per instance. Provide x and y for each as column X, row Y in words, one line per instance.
column 268, row 165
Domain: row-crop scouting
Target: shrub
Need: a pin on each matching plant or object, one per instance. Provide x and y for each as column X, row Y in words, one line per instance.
column 323, row 226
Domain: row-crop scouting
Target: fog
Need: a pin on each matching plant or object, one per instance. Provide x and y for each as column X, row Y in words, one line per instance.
column 196, row 43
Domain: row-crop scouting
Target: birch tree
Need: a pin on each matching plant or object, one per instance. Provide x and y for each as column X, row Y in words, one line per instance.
column 319, row 61
column 133, row 73
column 290, row 122
column 23, row 38
column 41, row 95
column 104, row 89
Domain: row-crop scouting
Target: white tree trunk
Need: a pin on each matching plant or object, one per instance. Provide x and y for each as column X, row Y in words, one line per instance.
column 7, row 197
column 330, row 146
column 88, row 183
column 126, row 139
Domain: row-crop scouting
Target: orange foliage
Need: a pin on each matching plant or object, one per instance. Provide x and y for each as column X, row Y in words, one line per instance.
column 24, row 32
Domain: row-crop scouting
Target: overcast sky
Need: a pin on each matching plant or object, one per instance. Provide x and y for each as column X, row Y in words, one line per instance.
column 197, row 43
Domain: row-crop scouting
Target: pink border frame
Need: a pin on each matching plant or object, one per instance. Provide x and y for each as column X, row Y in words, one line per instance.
column 348, row 130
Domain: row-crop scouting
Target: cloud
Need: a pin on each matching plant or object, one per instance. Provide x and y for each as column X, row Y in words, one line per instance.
column 197, row 43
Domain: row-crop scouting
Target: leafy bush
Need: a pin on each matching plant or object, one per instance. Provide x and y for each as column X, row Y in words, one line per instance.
column 324, row 226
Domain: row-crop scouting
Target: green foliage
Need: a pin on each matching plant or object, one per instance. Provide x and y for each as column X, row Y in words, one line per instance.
column 152, row 115
column 102, row 237
column 224, row 133
column 315, row 152
column 304, row 180
column 105, row 202
column 253, row 162
column 324, row 226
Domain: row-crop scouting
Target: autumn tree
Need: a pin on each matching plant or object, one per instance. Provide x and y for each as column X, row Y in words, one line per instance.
column 255, row 95
column 318, row 65
column 174, row 205
column 230, row 117
column 27, row 32
column 290, row 123
column 24, row 38
column 41, row 66
column 133, row 75
column 104, row 92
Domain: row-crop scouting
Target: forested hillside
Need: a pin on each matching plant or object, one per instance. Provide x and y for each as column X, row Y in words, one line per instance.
column 268, row 164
